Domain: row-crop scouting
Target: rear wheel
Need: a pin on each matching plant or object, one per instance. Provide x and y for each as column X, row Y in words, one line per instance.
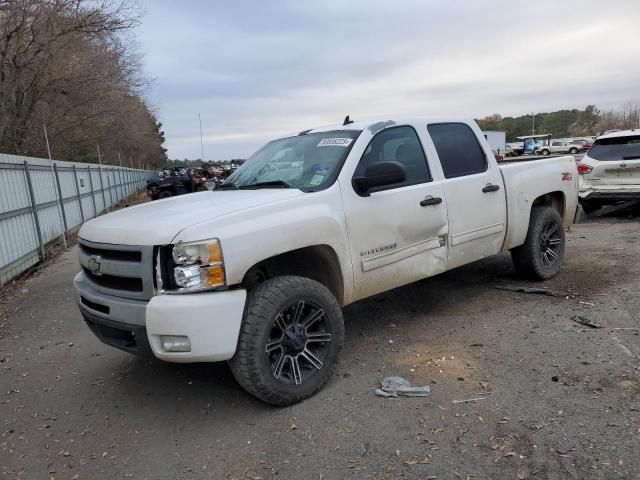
column 541, row 255
column 289, row 342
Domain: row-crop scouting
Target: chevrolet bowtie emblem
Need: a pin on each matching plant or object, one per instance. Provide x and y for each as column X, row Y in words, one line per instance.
column 94, row 264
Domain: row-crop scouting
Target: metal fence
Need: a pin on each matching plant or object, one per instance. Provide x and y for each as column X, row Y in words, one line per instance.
column 42, row 199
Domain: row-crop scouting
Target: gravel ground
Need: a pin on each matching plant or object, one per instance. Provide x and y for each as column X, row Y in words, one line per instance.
column 556, row 399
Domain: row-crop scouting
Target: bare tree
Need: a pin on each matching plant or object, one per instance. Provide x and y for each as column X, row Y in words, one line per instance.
column 69, row 64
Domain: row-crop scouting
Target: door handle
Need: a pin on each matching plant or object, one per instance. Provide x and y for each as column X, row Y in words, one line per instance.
column 491, row 188
column 430, row 201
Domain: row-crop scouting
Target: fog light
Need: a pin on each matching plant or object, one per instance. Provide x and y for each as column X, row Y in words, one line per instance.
column 175, row 343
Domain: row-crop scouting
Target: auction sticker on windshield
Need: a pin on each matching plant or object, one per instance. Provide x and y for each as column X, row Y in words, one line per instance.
column 335, row 142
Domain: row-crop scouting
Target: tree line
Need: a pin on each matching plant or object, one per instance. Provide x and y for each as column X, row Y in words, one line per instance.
column 71, row 67
column 565, row 123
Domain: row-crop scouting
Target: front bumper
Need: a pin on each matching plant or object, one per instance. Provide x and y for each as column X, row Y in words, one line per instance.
column 211, row 321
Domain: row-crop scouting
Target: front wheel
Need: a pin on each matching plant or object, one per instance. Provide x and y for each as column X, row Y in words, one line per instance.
column 541, row 255
column 289, row 342
column 545, row 152
column 573, row 151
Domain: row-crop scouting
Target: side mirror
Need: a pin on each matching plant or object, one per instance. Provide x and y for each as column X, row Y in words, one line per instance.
column 379, row 175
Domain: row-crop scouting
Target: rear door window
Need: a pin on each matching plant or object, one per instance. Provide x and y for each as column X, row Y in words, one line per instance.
column 616, row 148
column 458, row 149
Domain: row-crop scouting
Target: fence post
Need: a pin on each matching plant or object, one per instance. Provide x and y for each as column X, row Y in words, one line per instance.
column 104, row 198
column 93, row 196
column 123, row 193
column 109, row 187
column 75, row 175
column 34, row 210
column 64, row 216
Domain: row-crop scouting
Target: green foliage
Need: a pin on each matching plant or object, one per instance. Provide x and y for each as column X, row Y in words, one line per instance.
column 560, row 124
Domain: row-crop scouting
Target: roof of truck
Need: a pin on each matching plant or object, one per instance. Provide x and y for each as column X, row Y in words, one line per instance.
column 378, row 124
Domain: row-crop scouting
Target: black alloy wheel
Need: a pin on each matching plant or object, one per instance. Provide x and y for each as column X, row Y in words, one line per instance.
column 550, row 243
column 299, row 342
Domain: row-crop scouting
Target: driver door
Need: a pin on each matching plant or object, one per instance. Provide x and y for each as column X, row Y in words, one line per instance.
column 397, row 233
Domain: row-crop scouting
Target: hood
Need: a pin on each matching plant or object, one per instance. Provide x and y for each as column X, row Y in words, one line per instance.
column 158, row 222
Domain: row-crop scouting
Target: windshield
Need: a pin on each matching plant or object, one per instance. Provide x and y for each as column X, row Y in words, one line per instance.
column 310, row 161
column 616, row 148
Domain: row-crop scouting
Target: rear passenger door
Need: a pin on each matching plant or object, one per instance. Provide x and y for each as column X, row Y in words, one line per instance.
column 474, row 192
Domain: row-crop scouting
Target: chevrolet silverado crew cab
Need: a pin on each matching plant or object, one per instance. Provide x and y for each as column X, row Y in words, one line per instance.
column 256, row 272
column 610, row 171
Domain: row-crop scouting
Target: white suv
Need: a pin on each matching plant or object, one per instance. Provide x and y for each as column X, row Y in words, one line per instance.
column 610, row 171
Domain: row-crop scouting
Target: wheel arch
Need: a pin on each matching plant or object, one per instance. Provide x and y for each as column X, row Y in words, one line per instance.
column 316, row 262
column 555, row 200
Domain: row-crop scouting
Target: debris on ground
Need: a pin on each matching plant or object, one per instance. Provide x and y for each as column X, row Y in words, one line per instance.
column 585, row 321
column 565, row 448
column 398, row 386
column 536, row 290
column 467, row 400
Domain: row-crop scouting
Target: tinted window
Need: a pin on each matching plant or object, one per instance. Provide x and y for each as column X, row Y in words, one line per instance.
column 399, row 144
column 616, row 148
column 458, row 149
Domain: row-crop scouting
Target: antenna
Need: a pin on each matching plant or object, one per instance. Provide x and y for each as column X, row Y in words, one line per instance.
column 347, row 120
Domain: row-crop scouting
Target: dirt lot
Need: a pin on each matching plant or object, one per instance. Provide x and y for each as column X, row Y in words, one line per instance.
column 558, row 399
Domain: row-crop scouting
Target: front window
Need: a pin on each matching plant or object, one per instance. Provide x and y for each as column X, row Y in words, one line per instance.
column 309, row 162
column 616, row 148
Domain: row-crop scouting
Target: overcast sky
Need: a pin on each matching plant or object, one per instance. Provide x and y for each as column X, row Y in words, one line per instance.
column 257, row 70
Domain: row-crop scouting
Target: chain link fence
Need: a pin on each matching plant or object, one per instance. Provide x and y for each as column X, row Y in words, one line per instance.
column 42, row 200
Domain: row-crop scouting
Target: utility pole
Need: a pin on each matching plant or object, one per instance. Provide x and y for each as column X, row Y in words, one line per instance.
column 99, row 157
column 201, row 142
column 119, row 159
column 53, row 175
column 533, row 124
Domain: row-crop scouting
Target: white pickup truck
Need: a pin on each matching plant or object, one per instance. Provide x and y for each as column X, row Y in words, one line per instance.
column 256, row 272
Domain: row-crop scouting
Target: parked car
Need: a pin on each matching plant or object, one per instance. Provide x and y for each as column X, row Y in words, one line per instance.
column 583, row 143
column 171, row 182
column 514, row 149
column 256, row 272
column 610, row 170
column 557, row 146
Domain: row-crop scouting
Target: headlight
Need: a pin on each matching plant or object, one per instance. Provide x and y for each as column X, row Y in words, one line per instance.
column 200, row 265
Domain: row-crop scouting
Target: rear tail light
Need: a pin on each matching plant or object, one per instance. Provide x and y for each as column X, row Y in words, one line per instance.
column 584, row 168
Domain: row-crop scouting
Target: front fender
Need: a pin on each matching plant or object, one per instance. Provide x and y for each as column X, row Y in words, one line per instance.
column 255, row 234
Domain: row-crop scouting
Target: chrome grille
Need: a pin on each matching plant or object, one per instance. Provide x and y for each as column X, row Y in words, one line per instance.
column 121, row 270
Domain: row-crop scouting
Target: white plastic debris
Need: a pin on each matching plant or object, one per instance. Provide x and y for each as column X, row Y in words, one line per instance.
column 398, row 386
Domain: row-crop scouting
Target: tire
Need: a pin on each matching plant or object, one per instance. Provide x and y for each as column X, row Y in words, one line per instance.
column 532, row 260
column 165, row 194
column 273, row 339
column 545, row 152
column 573, row 151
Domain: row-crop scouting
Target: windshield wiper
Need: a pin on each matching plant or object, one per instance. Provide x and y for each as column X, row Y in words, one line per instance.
column 270, row 184
column 229, row 185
